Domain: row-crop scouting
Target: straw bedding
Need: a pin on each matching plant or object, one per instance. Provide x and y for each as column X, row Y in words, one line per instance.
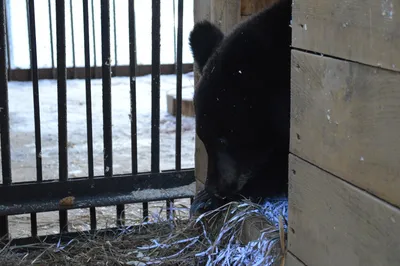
column 218, row 237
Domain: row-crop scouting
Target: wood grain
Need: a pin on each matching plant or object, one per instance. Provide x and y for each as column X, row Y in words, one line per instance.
column 290, row 260
column 365, row 31
column 199, row 186
column 333, row 223
column 186, row 104
column 201, row 10
column 250, row 7
column 345, row 118
column 225, row 14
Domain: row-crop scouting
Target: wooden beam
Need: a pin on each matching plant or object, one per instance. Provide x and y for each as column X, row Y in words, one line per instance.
column 345, row 118
column 333, row 223
column 364, row 31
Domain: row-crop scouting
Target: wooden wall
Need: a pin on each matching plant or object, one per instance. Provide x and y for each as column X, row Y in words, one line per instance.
column 345, row 133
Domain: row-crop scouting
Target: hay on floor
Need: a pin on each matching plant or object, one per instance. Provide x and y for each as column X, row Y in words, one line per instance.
column 217, row 237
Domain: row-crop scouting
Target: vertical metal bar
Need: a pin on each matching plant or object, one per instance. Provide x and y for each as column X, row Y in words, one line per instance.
column 88, row 88
column 155, row 87
column 35, row 85
column 115, row 40
column 36, row 104
column 93, row 219
column 8, row 39
column 132, row 75
column 4, row 114
column 145, row 211
column 170, row 209
column 174, row 17
column 51, row 38
column 107, row 109
column 178, row 134
column 73, row 38
column 120, row 215
column 106, row 78
column 62, row 103
column 93, row 222
column 133, row 114
column 94, row 36
column 34, row 227
column 28, row 25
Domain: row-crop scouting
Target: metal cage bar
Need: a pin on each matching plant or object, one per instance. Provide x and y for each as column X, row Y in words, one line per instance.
column 36, row 103
column 4, row 114
column 89, row 127
column 62, row 104
column 155, row 86
column 8, row 46
column 51, row 38
column 94, row 35
column 178, row 141
column 72, row 38
column 106, row 79
column 115, row 39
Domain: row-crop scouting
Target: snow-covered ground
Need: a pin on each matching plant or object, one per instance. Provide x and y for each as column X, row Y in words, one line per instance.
column 23, row 134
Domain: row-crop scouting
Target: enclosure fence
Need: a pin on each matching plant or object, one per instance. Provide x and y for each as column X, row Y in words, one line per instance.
column 47, row 64
column 91, row 191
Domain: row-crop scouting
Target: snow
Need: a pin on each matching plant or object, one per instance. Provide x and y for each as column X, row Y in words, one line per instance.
column 18, row 32
column 23, row 138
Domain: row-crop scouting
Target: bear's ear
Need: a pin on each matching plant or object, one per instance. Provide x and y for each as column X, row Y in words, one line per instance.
column 203, row 40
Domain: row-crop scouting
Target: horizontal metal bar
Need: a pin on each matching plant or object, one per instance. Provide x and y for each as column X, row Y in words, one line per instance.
column 122, row 71
column 30, row 197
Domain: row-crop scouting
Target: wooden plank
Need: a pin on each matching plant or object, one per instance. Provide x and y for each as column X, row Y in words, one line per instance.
column 364, row 31
column 333, row 223
column 187, row 102
column 199, row 186
column 291, row 260
column 250, row 7
column 345, row 118
column 225, row 14
column 202, row 10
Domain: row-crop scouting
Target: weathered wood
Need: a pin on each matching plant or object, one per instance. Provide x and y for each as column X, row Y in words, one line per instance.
column 364, row 31
column 199, row 185
column 291, row 260
column 250, row 7
column 225, row 14
column 187, row 102
column 345, row 118
column 333, row 223
column 202, row 10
